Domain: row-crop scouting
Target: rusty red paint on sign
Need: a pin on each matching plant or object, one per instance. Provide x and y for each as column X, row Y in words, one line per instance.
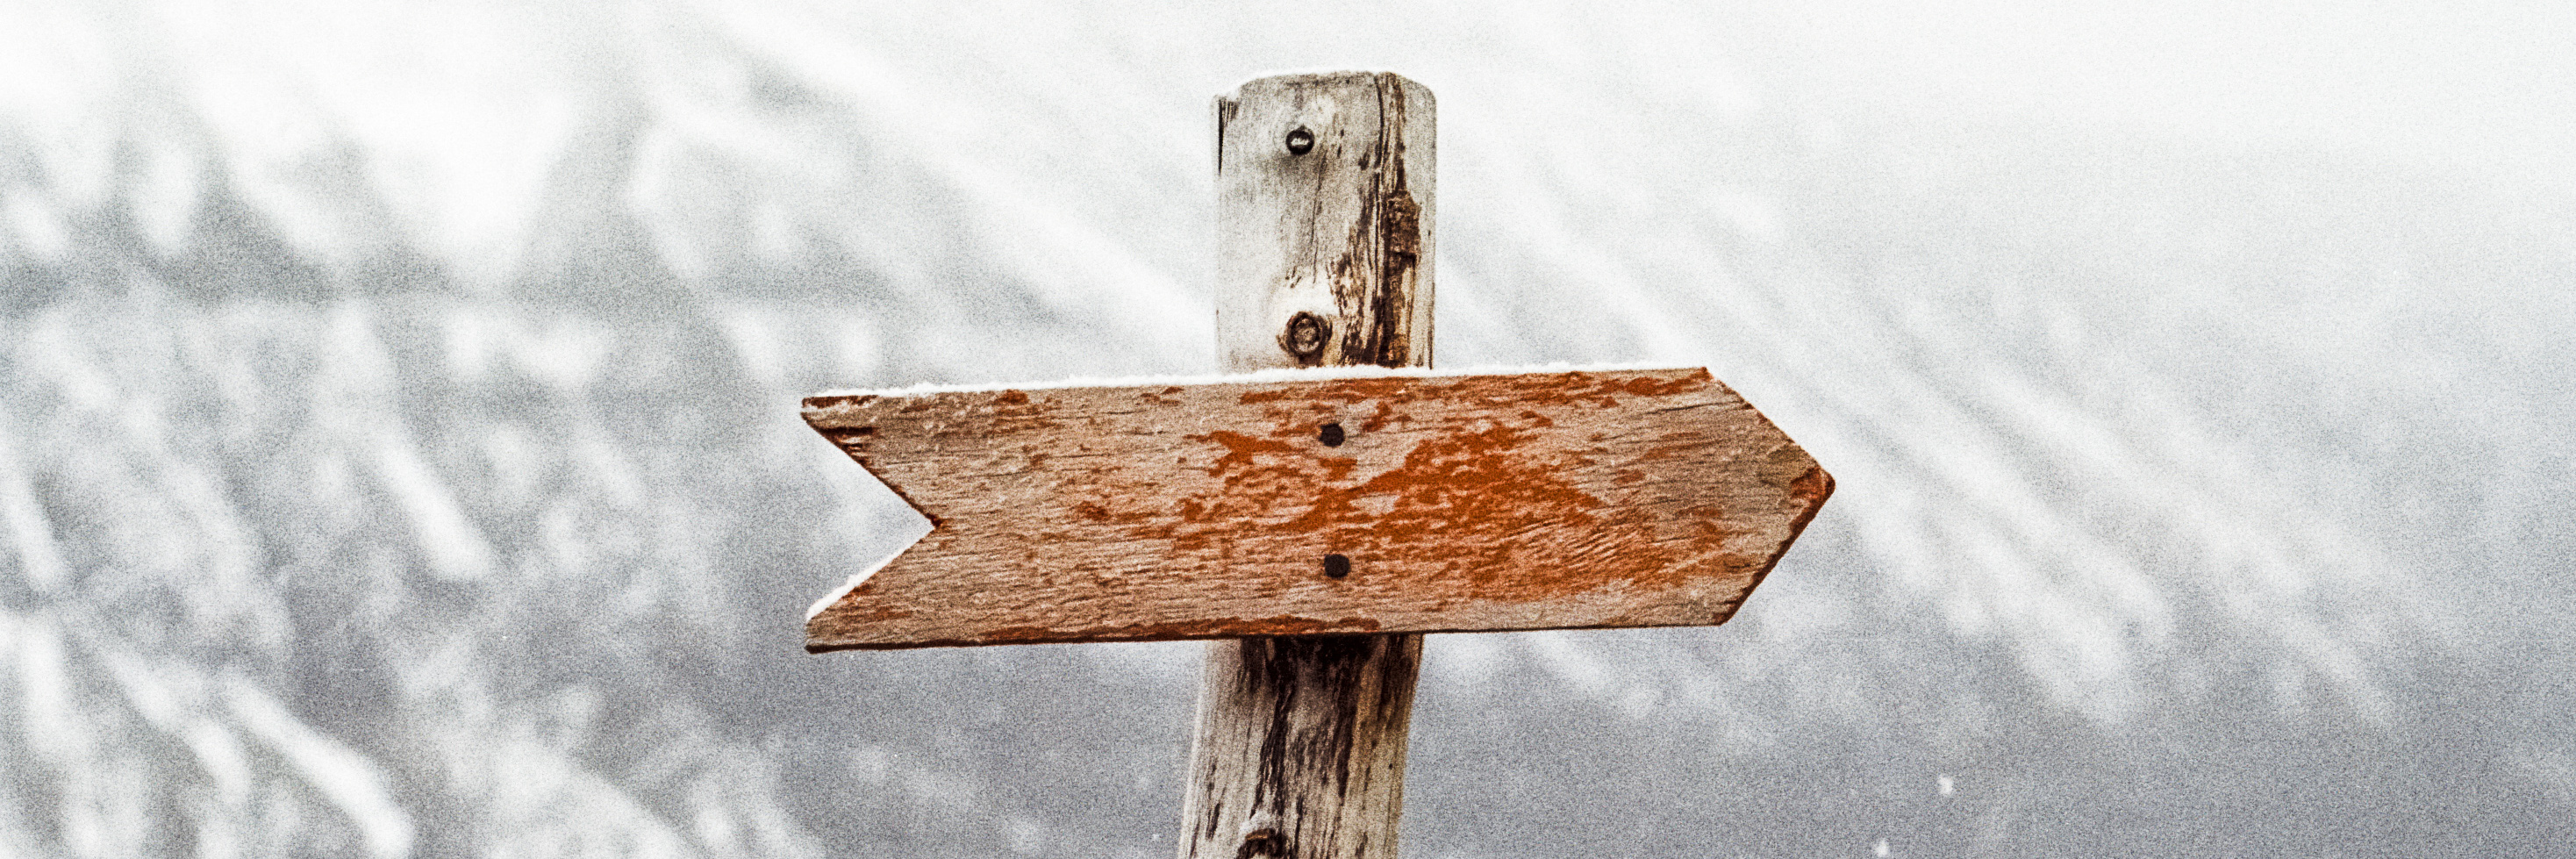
column 1448, row 503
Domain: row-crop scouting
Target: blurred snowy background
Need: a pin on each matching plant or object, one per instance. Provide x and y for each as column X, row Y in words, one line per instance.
column 398, row 448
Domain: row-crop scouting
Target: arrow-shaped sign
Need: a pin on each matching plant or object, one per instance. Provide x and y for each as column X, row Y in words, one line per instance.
column 1313, row 503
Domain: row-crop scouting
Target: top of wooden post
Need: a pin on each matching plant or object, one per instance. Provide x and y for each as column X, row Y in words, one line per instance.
column 1324, row 222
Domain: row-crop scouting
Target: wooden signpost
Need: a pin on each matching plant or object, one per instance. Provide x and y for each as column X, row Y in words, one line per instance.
column 1316, row 522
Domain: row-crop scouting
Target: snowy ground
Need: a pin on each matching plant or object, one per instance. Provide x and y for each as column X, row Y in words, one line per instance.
column 398, row 450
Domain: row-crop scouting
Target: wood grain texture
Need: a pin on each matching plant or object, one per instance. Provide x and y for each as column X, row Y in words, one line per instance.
column 1339, row 232
column 1525, row 501
column 1301, row 747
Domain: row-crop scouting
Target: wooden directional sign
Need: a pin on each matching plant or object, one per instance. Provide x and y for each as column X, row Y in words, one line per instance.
column 1304, row 502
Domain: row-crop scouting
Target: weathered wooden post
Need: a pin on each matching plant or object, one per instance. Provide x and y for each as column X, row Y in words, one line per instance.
column 1324, row 230
column 1315, row 523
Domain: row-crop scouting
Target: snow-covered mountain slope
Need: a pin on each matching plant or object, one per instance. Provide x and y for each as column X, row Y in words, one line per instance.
column 398, row 452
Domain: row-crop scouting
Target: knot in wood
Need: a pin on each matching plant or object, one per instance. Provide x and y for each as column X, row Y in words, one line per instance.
column 1305, row 338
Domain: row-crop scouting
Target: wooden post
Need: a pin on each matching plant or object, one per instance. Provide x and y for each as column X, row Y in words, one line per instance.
column 1324, row 231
